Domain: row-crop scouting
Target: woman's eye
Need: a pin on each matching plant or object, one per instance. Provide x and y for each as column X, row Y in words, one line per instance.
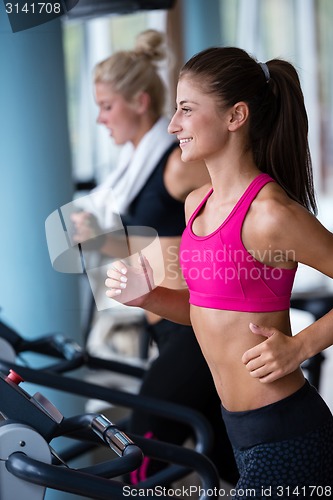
column 186, row 110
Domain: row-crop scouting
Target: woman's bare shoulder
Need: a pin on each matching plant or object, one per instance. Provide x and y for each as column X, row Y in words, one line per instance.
column 277, row 221
column 274, row 209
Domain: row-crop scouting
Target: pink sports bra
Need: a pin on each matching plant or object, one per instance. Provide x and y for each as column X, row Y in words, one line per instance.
column 222, row 274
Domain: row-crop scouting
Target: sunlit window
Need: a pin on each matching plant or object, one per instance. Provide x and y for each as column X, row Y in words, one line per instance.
column 301, row 32
column 296, row 30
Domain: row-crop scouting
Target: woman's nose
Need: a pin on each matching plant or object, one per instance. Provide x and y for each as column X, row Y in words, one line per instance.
column 173, row 126
column 100, row 119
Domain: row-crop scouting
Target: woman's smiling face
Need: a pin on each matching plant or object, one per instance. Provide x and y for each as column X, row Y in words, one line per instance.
column 199, row 122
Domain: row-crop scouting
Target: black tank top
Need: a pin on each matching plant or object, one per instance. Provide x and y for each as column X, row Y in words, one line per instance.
column 155, row 207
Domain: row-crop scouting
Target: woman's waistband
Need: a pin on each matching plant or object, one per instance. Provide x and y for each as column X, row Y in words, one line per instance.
column 298, row 414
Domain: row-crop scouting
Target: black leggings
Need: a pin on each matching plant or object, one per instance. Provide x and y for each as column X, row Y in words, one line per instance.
column 285, row 449
column 180, row 375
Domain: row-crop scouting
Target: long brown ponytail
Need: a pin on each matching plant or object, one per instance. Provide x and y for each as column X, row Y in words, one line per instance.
column 278, row 132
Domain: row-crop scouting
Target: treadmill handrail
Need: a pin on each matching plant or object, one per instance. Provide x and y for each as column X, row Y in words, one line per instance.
column 201, row 427
column 84, row 482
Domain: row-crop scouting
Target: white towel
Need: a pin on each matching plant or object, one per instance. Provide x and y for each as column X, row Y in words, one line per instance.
column 135, row 165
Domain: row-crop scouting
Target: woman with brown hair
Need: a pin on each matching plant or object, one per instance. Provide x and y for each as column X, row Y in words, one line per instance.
column 246, row 232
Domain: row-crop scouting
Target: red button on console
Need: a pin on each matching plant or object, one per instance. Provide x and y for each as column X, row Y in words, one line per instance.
column 14, row 377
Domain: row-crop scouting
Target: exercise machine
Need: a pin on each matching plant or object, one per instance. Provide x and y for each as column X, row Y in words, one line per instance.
column 69, row 356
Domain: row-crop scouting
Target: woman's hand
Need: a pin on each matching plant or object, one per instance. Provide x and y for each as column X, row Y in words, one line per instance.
column 130, row 283
column 273, row 358
column 85, row 226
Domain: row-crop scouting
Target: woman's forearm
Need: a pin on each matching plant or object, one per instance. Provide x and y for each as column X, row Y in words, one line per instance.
column 316, row 337
column 132, row 284
column 169, row 304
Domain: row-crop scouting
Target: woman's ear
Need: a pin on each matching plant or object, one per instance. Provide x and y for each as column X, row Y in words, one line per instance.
column 141, row 102
column 238, row 116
